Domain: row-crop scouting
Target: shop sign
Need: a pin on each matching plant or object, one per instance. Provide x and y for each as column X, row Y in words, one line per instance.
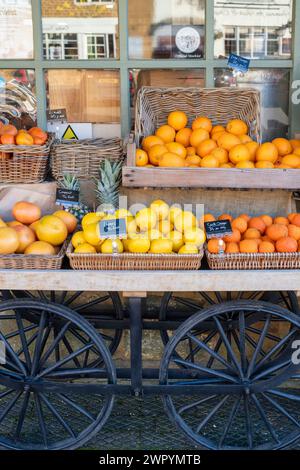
column 114, row 228
column 238, row 63
column 218, row 228
column 67, row 197
column 187, row 41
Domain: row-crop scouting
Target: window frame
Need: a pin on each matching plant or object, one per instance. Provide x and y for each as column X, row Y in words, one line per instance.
column 124, row 64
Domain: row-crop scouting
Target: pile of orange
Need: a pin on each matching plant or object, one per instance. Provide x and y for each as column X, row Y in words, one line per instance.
column 10, row 135
column 262, row 234
column 208, row 146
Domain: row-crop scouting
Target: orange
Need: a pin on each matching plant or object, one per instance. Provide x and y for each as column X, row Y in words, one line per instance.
column 8, row 129
column 209, row 161
column 172, row 160
column 191, row 165
column 202, row 122
column 291, row 216
column 150, row 141
column 237, row 127
column 9, row 240
column 26, row 212
column 178, row 120
column 297, row 151
column 284, row 147
column 183, row 136
column 52, row 230
column 206, row 147
column 40, row 248
column 217, row 129
column 252, row 147
column 239, row 153
column 214, row 245
column 225, row 217
column 179, row 149
column 156, row 152
column 26, row 236
column 232, row 247
column 264, row 164
column 220, row 154
column 266, row 247
column 292, row 160
column 248, row 246
column 277, row 231
column 286, row 245
column 190, row 151
column 247, row 164
column 267, row 152
column 265, row 238
column 294, row 231
column 226, row 165
column 38, row 133
column 267, row 219
column 234, row 237
column 209, row 218
column 296, row 220
column 193, row 160
column 245, row 138
column 215, row 136
column 227, row 141
column 245, row 217
column 7, row 139
column 295, row 143
column 252, row 234
column 198, row 136
column 24, row 139
column 240, row 224
column 69, row 219
column 281, row 220
column 141, row 157
column 283, row 167
column 258, row 223
column 166, row 133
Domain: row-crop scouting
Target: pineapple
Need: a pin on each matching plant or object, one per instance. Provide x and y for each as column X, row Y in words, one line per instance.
column 107, row 187
column 71, row 182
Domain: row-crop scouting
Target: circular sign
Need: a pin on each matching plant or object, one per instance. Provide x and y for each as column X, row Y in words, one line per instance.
column 187, row 40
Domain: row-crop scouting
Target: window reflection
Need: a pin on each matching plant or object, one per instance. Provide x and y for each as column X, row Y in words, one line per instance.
column 16, row 36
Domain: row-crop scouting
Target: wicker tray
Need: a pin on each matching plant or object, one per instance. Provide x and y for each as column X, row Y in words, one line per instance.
column 254, row 260
column 25, row 164
column 133, row 261
column 34, row 261
column 82, row 158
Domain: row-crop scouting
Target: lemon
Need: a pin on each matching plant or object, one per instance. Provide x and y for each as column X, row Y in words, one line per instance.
column 174, row 212
column 146, row 219
column 91, row 234
column 177, row 240
column 135, row 235
column 131, row 226
column 107, row 246
column 109, row 217
column 188, row 249
column 162, row 245
column 2, row 223
column 139, row 245
column 161, row 209
column 85, row 248
column 154, row 234
column 125, row 242
column 98, row 247
column 124, row 214
column 165, row 227
column 195, row 235
column 78, row 239
column 91, row 218
column 185, row 221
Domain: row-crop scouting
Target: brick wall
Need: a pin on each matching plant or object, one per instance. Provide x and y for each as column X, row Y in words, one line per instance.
column 68, row 8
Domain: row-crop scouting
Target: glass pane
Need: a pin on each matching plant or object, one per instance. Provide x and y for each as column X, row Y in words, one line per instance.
column 16, row 36
column 89, row 96
column 256, row 23
column 17, row 97
column 166, row 29
column 274, row 87
column 76, row 23
column 163, row 78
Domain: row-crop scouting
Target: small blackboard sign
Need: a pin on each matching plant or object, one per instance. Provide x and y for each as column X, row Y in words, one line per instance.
column 58, row 115
column 239, row 63
column 113, row 228
column 67, row 197
column 218, row 228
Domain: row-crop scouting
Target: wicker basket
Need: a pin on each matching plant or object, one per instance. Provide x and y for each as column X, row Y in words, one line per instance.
column 133, row 261
column 82, row 158
column 219, row 104
column 23, row 163
column 254, row 260
column 34, row 261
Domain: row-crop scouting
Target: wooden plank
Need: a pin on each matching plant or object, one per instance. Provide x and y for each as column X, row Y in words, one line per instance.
column 140, row 177
column 134, row 294
column 131, row 153
column 154, row 281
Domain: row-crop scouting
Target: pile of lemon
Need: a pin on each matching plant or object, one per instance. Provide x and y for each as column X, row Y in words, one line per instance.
column 208, row 146
column 159, row 229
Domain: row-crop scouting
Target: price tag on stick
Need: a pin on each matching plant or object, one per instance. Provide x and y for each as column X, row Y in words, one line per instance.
column 238, row 63
column 218, row 229
column 113, row 229
column 67, row 197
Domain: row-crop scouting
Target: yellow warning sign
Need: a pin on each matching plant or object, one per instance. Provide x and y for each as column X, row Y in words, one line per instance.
column 69, row 134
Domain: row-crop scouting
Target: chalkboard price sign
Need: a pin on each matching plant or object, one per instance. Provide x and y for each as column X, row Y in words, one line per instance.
column 57, row 115
column 67, row 197
column 114, row 228
column 218, row 228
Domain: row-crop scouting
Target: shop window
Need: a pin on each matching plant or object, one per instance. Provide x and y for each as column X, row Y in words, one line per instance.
column 264, row 28
column 274, row 85
column 18, row 104
column 16, row 36
column 80, row 29
column 172, row 29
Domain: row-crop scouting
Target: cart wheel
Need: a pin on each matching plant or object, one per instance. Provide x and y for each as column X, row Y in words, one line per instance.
column 248, row 389
column 96, row 310
column 47, row 384
column 176, row 307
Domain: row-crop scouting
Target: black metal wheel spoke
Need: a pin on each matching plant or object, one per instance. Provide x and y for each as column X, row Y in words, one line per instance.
column 22, row 414
column 264, row 418
column 231, row 418
column 211, row 414
column 216, row 372
column 76, row 407
column 228, row 346
column 41, row 419
column 281, row 409
column 58, row 416
column 195, row 404
column 259, row 346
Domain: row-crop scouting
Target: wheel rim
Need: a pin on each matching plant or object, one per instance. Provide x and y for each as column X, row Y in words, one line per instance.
column 38, row 409
column 99, row 307
column 249, row 392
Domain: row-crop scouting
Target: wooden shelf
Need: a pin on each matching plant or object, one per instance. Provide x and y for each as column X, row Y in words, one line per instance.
column 139, row 177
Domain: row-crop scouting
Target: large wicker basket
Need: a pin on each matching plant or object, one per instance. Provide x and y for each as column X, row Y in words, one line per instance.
column 82, row 158
column 23, row 163
column 254, row 261
column 133, row 261
column 219, row 104
column 19, row 261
